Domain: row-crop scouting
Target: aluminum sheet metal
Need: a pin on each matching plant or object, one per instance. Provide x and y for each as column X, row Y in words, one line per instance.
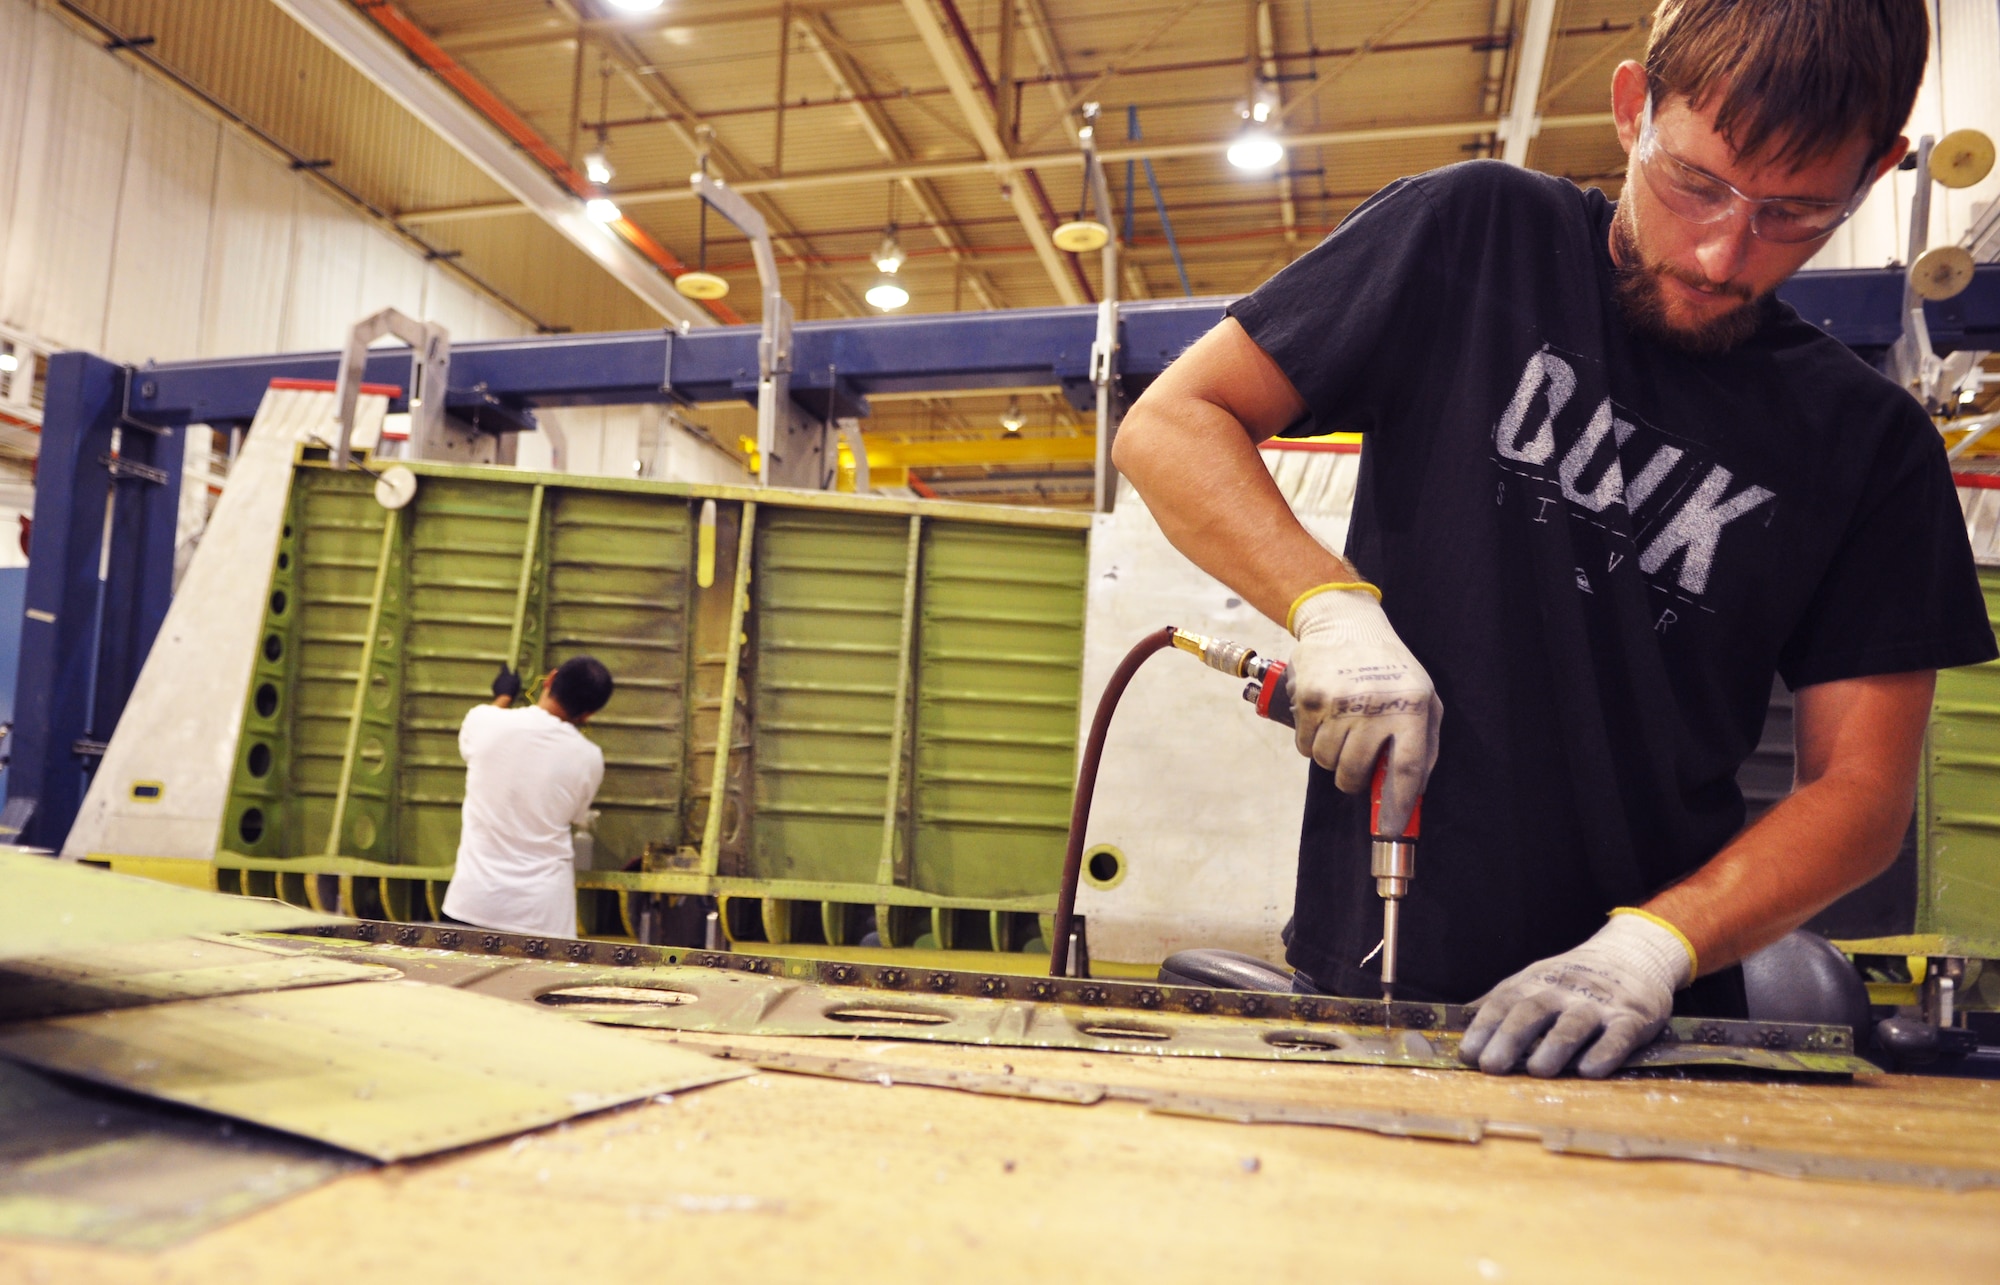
column 83, row 1165
column 739, row 994
column 1473, row 1129
column 387, row 1070
column 87, row 979
column 52, row 905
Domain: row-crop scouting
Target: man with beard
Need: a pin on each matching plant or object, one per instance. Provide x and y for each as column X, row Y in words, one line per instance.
column 1610, row 486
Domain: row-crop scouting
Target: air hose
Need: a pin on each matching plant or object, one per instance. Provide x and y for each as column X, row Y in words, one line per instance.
column 1086, row 785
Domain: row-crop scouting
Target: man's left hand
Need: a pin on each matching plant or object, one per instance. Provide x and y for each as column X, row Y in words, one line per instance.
column 1617, row 989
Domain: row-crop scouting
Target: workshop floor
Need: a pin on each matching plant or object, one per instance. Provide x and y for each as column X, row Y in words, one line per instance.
column 783, row 1177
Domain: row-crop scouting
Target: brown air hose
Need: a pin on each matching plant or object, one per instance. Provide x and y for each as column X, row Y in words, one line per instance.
column 1086, row 785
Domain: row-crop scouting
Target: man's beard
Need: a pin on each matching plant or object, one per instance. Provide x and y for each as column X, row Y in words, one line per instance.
column 1641, row 296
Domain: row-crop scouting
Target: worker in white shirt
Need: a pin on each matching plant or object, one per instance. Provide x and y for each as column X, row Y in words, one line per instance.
column 530, row 775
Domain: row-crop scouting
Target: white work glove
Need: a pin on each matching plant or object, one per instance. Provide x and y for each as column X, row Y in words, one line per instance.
column 1617, row 988
column 1356, row 688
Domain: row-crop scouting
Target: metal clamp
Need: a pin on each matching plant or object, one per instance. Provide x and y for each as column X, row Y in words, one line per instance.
column 122, row 468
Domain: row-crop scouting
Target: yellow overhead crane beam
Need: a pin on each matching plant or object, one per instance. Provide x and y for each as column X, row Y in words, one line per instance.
column 889, row 463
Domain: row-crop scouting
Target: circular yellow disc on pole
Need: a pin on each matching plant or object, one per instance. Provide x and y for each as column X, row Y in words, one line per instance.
column 1081, row 236
column 1961, row 158
column 701, row 285
column 1942, row 273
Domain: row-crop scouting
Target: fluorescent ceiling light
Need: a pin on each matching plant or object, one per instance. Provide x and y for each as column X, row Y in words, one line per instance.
column 1255, row 149
column 636, row 6
column 602, row 209
column 9, row 363
column 597, row 167
column 886, row 295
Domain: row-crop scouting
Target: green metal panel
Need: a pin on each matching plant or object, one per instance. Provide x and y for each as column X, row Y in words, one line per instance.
column 618, row 581
column 900, row 680
column 828, row 618
column 998, row 681
column 467, row 543
column 1959, row 879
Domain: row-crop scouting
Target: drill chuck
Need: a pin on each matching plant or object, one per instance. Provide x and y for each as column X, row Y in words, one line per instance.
column 1393, row 862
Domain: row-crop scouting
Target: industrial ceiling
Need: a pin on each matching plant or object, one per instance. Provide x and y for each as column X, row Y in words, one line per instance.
column 841, row 117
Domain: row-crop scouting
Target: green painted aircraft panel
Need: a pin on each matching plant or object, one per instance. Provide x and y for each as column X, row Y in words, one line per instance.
column 904, row 704
column 1959, row 881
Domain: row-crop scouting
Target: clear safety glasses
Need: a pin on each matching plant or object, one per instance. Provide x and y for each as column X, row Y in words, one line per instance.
column 1702, row 198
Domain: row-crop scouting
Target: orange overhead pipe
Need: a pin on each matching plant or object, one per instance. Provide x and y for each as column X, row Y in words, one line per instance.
column 448, row 69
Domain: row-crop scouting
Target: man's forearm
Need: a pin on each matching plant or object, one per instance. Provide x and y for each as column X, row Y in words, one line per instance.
column 1823, row 841
column 1202, row 479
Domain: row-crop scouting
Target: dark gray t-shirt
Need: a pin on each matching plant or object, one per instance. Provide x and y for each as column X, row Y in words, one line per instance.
column 1601, row 549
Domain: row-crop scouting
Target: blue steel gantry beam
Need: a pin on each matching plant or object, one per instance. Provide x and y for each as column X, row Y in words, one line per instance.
column 84, row 638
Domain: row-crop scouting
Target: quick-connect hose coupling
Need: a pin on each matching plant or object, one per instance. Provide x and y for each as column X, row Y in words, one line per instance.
column 1231, row 658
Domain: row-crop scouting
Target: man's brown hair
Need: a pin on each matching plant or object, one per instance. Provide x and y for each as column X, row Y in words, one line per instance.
column 1791, row 81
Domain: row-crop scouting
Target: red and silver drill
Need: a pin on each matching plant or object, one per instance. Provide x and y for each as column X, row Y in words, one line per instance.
column 1392, row 857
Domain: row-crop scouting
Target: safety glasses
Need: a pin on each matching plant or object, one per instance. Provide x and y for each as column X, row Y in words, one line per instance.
column 1702, row 198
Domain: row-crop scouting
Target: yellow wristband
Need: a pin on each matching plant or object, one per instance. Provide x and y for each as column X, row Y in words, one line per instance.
column 1361, row 585
column 1694, row 960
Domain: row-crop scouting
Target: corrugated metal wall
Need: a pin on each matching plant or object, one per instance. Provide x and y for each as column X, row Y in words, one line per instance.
column 136, row 223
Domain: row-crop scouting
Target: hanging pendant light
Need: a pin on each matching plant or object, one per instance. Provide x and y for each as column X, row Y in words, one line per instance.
column 886, row 295
column 1086, row 232
column 702, row 284
column 1012, row 419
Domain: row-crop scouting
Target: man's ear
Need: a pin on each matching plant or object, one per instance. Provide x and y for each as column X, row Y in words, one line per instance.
column 1628, row 101
column 1890, row 159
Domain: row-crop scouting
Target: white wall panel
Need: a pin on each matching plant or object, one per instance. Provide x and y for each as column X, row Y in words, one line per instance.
column 327, row 259
column 392, row 276
column 1961, row 90
column 136, row 223
column 1969, row 75
column 65, row 192
column 159, row 265
column 451, row 303
column 249, row 251
column 21, row 30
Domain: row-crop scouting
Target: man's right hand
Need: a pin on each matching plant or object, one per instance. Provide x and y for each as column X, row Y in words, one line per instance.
column 1357, row 688
column 506, row 685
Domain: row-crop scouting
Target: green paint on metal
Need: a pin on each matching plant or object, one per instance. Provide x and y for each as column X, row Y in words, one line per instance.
column 54, row 905
column 375, row 642
column 883, row 698
column 998, row 684
column 620, row 571
column 84, row 1166
column 824, row 637
column 894, row 866
column 1959, row 851
column 729, row 700
column 389, row 1071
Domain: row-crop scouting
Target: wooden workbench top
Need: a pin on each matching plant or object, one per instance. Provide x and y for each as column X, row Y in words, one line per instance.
column 782, row 1177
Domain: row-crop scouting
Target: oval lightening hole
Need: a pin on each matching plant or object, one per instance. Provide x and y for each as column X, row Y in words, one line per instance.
column 274, row 646
column 1315, row 1041
column 279, row 602
column 614, row 998
column 251, row 827
column 267, row 700
column 1125, row 1031
column 888, row 1016
column 260, row 760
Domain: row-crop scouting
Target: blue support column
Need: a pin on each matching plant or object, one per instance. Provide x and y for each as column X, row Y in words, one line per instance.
column 82, row 644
